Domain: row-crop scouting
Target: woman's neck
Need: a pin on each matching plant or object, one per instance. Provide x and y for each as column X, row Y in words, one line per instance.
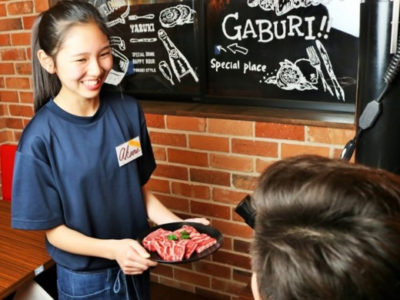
column 82, row 107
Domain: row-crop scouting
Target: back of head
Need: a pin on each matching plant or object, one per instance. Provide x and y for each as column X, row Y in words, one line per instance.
column 48, row 33
column 327, row 229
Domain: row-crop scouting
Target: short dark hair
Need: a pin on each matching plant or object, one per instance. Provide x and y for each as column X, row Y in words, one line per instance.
column 327, row 229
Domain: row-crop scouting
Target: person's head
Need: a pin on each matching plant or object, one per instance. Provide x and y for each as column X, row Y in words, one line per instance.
column 70, row 49
column 326, row 229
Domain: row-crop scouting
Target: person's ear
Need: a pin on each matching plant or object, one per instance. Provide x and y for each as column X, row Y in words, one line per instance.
column 46, row 61
column 254, row 287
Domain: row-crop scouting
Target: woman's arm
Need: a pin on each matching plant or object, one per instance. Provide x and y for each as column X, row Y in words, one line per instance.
column 129, row 254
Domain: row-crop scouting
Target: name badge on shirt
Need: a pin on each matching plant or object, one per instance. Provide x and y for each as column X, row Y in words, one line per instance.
column 128, row 151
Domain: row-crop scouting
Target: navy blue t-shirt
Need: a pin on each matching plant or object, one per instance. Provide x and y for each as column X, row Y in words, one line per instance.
column 67, row 172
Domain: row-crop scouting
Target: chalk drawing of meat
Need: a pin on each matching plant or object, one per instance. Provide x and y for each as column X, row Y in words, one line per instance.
column 108, row 7
column 282, row 7
column 177, row 15
column 290, row 77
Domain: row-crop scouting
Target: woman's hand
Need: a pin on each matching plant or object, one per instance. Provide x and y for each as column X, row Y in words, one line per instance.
column 203, row 221
column 132, row 258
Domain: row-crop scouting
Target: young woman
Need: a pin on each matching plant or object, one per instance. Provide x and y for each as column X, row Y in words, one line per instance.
column 83, row 161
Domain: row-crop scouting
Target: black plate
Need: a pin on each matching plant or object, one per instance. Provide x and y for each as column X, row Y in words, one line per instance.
column 195, row 256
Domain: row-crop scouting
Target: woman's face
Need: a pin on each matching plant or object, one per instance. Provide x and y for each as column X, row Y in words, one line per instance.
column 83, row 62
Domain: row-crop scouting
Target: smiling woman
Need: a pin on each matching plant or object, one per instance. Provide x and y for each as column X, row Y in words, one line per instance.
column 68, row 162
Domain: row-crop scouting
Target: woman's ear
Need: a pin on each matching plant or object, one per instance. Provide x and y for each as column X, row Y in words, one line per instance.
column 46, row 61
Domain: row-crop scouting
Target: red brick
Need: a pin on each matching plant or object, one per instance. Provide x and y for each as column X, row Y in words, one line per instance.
column 333, row 136
column 29, row 53
column 163, row 270
column 295, row 149
column 41, row 5
column 26, row 97
column 6, row 136
column 211, row 143
column 231, row 162
column 212, row 269
column 28, row 21
column 280, row 131
column 241, row 246
column 7, row 68
column 13, row 54
column 191, row 190
column 14, row 123
column 18, row 83
column 8, row 96
column 233, row 229
column 188, row 157
column 3, row 11
column 21, row 39
column 24, row 68
column 2, row 82
column 231, row 127
column 226, row 286
column 20, row 8
column 186, row 123
column 242, row 276
column 227, row 245
column 158, row 185
column 210, row 210
column 232, row 259
column 227, row 196
column 171, row 139
column 160, row 154
column 5, row 40
column 156, row 121
column 192, row 277
column 261, row 164
column 21, row 110
column 244, row 182
column 211, row 177
column 171, row 172
column 250, row 147
column 10, row 24
column 174, row 203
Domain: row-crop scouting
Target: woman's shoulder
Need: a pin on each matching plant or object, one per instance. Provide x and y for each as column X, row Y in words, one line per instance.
column 121, row 101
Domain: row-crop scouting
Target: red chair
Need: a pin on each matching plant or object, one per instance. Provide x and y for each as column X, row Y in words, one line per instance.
column 7, row 156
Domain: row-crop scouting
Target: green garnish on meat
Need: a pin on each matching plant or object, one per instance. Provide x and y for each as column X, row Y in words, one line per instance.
column 185, row 235
column 172, row 237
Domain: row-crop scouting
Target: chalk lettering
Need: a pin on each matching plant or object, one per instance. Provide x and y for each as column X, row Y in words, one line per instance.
column 224, row 65
column 266, row 31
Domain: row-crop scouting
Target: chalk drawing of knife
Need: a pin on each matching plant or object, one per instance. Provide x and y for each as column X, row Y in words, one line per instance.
column 136, row 17
column 166, row 71
column 143, row 40
column 328, row 65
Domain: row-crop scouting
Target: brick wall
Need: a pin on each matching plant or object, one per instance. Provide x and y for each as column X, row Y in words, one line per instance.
column 205, row 166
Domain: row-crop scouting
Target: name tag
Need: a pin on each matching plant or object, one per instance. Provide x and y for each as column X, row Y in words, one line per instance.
column 128, row 151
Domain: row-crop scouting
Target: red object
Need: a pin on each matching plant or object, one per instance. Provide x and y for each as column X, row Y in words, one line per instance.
column 7, row 156
column 175, row 250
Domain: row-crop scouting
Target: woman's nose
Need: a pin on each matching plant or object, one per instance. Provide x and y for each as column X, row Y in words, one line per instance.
column 94, row 67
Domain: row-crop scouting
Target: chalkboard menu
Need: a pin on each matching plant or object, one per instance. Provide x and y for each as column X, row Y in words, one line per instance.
column 285, row 53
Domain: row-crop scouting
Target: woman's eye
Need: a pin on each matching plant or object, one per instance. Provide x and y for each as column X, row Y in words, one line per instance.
column 81, row 60
column 106, row 53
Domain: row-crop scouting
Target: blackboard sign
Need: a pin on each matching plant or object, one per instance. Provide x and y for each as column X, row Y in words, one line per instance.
column 285, row 53
column 155, row 46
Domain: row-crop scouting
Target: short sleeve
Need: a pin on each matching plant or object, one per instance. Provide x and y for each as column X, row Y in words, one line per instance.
column 147, row 162
column 35, row 201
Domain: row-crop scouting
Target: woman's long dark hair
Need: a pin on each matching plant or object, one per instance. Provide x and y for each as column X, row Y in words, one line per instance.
column 48, row 34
